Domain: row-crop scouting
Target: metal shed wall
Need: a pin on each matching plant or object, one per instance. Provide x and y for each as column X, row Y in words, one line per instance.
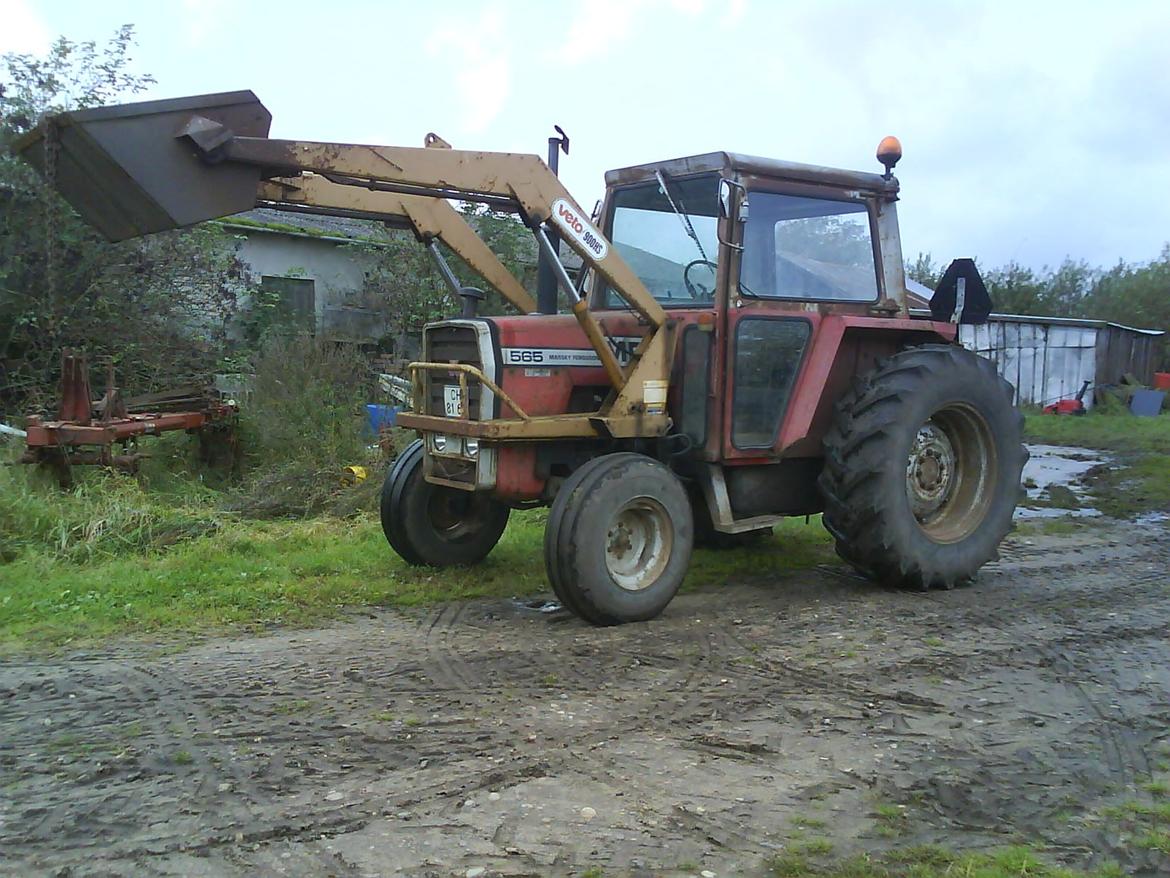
column 1044, row 362
column 1047, row 359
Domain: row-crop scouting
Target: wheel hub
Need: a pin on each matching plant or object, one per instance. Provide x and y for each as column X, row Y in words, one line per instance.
column 930, row 471
column 638, row 544
column 456, row 514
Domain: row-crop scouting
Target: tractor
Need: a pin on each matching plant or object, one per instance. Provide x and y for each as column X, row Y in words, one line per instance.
column 734, row 347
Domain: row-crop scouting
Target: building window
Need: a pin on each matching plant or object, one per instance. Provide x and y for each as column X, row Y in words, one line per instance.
column 297, row 299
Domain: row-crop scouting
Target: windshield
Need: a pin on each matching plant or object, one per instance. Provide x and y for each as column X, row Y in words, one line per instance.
column 656, row 243
column 808, row 248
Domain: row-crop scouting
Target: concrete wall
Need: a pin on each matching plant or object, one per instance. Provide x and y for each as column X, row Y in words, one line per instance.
column 337, row 271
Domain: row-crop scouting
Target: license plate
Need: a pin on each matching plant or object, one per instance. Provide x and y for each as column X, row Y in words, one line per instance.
column 452, row 401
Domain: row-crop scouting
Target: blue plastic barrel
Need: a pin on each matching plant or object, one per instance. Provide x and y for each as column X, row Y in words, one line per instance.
column 380, row 416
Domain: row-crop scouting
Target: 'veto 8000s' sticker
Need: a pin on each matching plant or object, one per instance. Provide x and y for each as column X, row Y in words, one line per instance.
column 570, row 221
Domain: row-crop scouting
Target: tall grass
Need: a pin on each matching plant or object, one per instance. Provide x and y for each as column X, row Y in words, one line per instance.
column 307, row 402
column 104, row 515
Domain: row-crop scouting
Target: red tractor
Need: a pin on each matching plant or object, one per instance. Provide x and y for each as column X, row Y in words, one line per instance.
column 736, row 348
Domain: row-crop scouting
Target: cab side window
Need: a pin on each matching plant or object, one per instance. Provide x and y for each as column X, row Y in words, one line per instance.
column 768, row 354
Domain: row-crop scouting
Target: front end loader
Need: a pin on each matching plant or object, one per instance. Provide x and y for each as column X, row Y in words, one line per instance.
column 735, row 348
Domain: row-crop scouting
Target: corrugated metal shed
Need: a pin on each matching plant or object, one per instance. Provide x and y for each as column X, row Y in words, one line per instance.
column 1049, row 358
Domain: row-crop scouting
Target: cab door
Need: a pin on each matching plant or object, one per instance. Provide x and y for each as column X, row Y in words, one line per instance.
column 807, row 251
column 766, row 349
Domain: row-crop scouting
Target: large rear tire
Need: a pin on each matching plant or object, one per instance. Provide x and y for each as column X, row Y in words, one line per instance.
column 619, row 538
column 922, row 468
column 430, row 525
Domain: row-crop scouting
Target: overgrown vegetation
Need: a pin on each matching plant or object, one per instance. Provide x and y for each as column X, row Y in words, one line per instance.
column 160, row 306
column 176, row 307
column 401, row 278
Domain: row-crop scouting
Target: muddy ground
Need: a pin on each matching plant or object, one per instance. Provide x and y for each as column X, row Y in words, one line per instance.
column 479, row 737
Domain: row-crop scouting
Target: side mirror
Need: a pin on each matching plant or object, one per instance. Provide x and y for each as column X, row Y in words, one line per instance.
column 726, row 188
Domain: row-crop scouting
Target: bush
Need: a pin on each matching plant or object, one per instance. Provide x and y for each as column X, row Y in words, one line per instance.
column 307, row 403
column 304, row 424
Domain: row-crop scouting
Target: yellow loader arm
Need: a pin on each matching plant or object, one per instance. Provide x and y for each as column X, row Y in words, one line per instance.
column 137, row 168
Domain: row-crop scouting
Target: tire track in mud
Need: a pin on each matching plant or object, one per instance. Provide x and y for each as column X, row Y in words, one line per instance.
column 1142, row 594
column 581, row 753
column 64, row 708
column 703, row 691
column 181, row 712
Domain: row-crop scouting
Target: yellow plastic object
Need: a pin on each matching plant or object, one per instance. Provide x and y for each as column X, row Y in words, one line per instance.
column 351, row 475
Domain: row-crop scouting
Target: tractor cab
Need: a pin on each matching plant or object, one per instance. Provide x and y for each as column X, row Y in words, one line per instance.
column 724, row 228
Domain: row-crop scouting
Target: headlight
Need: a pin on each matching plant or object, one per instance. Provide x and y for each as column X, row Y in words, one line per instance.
column 471, row 447
column 441, row 443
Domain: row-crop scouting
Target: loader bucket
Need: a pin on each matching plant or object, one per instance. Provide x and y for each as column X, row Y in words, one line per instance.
column 127, row 173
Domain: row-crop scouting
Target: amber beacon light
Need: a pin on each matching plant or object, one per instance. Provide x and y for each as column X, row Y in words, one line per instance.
column 889, row 152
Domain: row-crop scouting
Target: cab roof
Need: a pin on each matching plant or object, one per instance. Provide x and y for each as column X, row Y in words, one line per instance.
column 734, row 162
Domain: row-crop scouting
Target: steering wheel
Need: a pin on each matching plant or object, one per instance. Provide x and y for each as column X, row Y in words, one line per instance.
column 697, row 291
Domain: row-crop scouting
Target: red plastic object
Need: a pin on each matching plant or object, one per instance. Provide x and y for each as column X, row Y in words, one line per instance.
column 1065, row 407
column 1162, row 381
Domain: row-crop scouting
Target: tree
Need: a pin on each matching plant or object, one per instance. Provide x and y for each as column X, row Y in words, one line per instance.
column 159, row 306
column 404, row 283
column 924, row 270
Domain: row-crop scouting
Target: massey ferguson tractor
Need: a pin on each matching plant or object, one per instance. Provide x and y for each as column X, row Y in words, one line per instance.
column 735, row 348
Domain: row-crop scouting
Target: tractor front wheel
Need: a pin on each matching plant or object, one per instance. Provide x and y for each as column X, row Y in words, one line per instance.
column 436, row 526
column 618, row 540
column 922, row 468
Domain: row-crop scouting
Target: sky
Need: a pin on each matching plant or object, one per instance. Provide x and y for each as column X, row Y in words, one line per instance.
column 1032, row 130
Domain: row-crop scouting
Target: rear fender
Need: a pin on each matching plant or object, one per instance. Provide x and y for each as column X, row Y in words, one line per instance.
column 843, row 348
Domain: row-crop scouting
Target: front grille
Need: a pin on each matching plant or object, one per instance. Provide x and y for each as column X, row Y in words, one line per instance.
column 452, row 344
column 460, row 472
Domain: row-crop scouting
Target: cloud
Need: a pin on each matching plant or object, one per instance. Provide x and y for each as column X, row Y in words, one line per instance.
column 733, row 13
column 201, row 18
column 483, row 78
column 599, row 26
column 23, row 31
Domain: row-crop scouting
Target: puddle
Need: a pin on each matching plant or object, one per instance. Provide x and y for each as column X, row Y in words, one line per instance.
column 1055, row 472
column 1152, row 518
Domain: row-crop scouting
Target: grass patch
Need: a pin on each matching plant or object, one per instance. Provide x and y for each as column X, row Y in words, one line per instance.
column 105, row 515
column 1115, row 431
column 72, row 582
column 1155, row 840
column 1052, row 527
column 928, row 861
column 1142, row 445
column 1148, row 823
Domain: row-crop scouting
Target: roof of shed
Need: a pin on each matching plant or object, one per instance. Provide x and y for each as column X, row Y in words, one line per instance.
column 312, row 225
column 1054, row 321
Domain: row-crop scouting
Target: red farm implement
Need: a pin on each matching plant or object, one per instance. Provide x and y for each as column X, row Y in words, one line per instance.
column 105, row 432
